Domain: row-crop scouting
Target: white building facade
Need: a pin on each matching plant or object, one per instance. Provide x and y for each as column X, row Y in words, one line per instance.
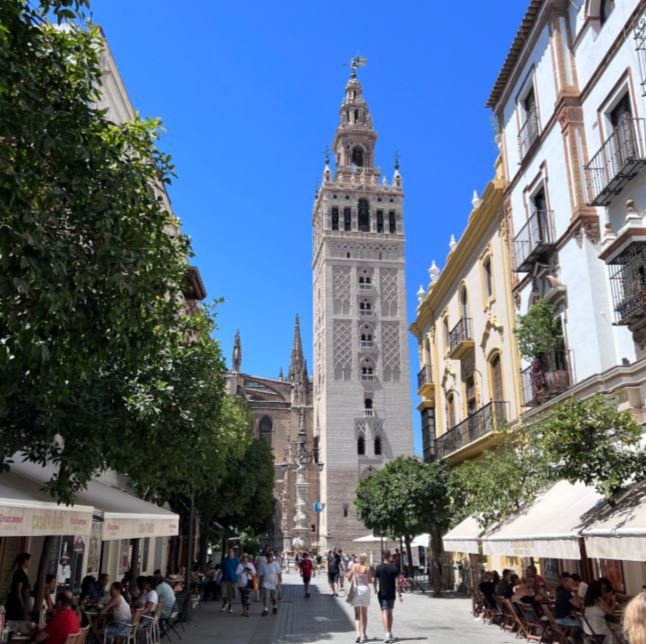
column 569, row 102
column 361, row 384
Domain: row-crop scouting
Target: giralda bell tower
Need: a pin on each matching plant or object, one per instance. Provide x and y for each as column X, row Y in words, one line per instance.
column 362, row 396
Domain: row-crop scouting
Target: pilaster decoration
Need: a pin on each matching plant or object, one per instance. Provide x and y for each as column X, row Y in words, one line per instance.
column 565, row 67
column 492, row 324
column 506, row 228
column 585, row 226
column 448, row 379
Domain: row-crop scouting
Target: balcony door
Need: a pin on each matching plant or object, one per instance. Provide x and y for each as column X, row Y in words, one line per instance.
column 497, row 392
column 472, row 407
column 624, row 146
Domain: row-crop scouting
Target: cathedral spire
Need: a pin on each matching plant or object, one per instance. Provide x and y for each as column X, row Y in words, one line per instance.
column 237, row 353
column 297, row 360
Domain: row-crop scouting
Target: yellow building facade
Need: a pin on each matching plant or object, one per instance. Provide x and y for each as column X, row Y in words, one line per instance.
column 469, row 363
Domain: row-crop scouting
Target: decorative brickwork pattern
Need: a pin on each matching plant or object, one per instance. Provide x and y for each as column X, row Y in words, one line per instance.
column 389, row 292
column 342, row 349
column 391, row 351
column 341, row 289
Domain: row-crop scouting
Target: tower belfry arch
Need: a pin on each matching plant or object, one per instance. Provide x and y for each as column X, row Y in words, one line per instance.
column 361, row 384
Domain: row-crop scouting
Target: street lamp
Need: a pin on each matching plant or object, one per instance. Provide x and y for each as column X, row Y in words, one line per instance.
column 299, row 457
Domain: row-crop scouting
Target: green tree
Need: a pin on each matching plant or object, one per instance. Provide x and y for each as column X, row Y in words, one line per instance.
column 591, row 442
column 501, row 481
column 405, row 498
column 538, row 331
column 89, row 254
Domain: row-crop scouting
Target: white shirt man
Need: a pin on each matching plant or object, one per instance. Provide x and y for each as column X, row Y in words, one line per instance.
column 270, row 576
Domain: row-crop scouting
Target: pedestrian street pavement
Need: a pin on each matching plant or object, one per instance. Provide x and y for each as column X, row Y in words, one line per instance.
column 324, row 619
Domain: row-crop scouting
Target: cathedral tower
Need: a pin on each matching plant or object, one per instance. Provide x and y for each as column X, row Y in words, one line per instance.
column 361, row 376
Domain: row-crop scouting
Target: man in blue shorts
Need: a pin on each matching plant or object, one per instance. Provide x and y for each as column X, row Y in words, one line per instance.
column 387, row 589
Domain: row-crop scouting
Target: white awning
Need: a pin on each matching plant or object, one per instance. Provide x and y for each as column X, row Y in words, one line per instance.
column 619, row 532
column 420, row 540
column 549, row 527
column 27, row 511
column 369, row 538
column 125, row 516
column 464, row 537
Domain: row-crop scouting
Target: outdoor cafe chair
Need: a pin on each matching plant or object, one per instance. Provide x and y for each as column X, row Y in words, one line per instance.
column 150, row 625
column 131, row 637
column 556, row 629
column 73, row 639
column 177, row 617
column 506, row 614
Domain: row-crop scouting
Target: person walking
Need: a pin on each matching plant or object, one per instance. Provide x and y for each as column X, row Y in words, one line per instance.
column 229, row 580
column 246, row 571
column 344, row 566
column 333, row 568
column 270, row 579
column 387, row 587
column 360, row 576
column 18, row 601
column 307, row 570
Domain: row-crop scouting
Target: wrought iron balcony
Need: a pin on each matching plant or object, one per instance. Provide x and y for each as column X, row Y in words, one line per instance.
column 628, row 284
column 534, row 239
column 487, row 419
column 425, row 380
column 546, row 377
column 528, row 133
column 461, row 339
column 366, row 313
column 617, row 161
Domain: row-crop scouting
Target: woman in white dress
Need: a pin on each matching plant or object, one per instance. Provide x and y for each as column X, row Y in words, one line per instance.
column 360, row 576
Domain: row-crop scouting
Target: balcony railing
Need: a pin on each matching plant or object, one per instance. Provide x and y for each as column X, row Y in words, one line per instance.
column 366, row 313
column 367, row 377
column 628, row 284
column 618, row 161
column 528, row 133
column 460, row 339
column 487, row 419
column 534, row 238
column 424, row 376
column 363, row 286
column 546, row 377
column 366, row 345
column 368, row 413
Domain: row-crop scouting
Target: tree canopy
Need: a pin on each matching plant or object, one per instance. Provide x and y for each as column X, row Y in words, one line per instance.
column 100, row 366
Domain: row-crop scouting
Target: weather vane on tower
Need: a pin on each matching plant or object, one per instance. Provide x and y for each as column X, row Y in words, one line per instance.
column 356, row 62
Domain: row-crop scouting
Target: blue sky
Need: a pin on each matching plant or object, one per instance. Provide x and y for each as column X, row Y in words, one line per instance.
column 249, row 95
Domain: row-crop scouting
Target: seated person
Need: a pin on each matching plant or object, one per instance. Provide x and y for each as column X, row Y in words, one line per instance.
column 151, row 598
column 87, row 586
column 532, row 576
column 139, row 595
column 566, row 602
column 49, row 600
column 608, row 592
column 525, row 592
column 119, row 608
column 166, row 594
column 503, row 587
column 583, row 587
column 64, row 623
column 487, row 588
column 595, row 612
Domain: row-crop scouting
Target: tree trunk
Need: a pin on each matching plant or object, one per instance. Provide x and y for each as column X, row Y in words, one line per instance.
column 134, row 565
column 435, row 567
column 39, row 588
column 409, row 556
column 204, row 541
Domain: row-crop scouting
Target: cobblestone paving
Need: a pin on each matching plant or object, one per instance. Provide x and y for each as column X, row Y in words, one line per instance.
column 328, row 620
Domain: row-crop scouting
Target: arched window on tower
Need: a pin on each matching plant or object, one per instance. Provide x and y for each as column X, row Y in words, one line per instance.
column 265, row 428
column 392, row 222
column 367, row 407
column 377, row 446
column 335, row 219
column 361, row 445
column 364, row 216
column 357, row 156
